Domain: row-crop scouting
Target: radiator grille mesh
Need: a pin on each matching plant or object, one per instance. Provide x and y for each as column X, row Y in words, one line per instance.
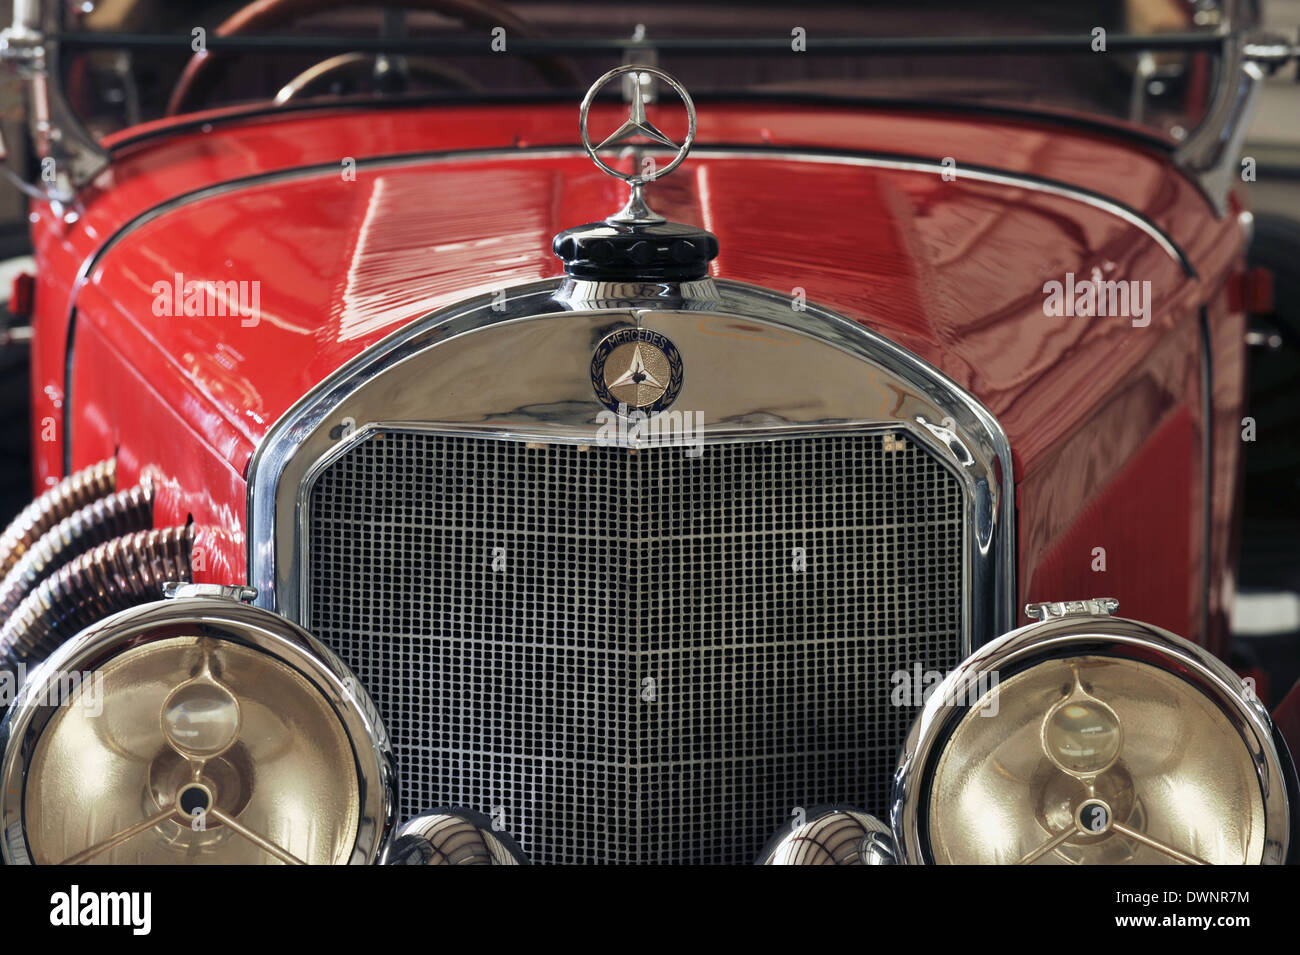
column 645, row 657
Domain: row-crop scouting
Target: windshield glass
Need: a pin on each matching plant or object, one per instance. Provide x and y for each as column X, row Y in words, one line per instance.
column 128, row 61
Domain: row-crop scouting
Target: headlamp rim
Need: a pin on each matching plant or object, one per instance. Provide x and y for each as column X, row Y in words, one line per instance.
column 223, row 619
column 1089, row 635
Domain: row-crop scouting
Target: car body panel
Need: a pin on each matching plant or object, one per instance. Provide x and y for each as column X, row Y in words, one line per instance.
column 1103, row 417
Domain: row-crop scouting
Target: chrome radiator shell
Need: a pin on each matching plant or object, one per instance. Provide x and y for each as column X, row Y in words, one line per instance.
column 757, row 369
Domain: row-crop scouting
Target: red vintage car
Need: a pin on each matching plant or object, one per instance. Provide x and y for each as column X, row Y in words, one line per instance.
column 741, row 462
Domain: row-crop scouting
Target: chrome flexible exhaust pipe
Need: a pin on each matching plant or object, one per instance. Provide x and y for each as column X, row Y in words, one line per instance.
column 116, row 575
column 64, row 499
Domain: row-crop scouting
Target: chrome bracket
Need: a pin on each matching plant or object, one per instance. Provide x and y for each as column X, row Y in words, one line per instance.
column 178, row 590
column 1094, row 606
column 639, row 52
column 1272, row 51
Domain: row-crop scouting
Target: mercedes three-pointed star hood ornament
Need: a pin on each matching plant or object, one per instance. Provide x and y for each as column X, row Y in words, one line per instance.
column 637, row 243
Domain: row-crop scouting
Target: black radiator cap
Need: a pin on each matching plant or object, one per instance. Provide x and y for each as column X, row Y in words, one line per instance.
column 629, row 252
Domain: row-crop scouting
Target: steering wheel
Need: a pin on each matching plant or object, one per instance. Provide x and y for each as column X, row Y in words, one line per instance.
column 203, row 71
column 323, row 77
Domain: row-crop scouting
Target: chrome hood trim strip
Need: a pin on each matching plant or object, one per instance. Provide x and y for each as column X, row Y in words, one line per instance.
column 716, row 151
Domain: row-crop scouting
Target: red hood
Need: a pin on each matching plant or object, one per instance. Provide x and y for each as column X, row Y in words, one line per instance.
column 952, row 269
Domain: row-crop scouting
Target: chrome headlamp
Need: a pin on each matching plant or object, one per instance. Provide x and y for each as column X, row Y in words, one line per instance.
column 193, row 730
column 1091, row 739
